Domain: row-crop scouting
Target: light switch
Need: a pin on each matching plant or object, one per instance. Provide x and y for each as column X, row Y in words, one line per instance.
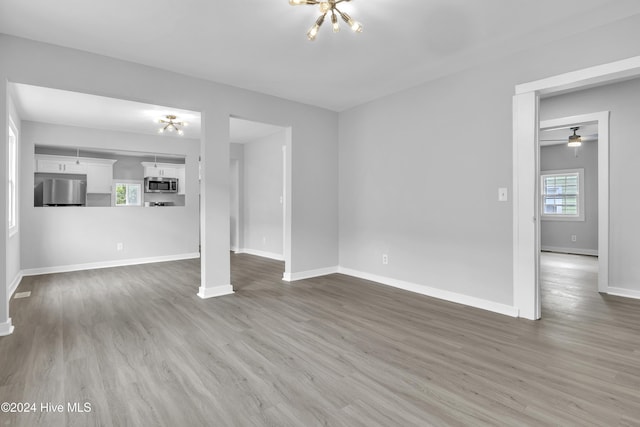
column 503, row 195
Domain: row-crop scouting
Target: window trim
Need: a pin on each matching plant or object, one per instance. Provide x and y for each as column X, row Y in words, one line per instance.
column 13, row 164
column 581, row 195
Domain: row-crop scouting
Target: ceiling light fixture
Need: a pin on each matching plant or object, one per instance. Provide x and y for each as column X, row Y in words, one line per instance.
column 326, row 7
column 170, row 125
column 575, row 140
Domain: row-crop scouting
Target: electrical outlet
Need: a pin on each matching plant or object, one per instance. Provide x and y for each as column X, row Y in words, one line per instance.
column 385, row 259
column 119, row 247
column 574, row 238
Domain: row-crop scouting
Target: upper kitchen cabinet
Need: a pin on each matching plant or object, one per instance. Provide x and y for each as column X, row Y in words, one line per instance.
column 59, row 164
column 162, row 170
column 99, row 172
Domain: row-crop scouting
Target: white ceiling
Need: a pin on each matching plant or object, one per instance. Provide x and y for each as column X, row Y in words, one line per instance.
column 261, row 45
column 56, row 106
column 62, row 107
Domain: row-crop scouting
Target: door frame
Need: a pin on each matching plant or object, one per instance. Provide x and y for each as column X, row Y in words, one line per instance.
column 602, row 120
column 526, row 103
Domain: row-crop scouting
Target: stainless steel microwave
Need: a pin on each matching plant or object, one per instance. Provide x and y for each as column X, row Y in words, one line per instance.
column 156, row 184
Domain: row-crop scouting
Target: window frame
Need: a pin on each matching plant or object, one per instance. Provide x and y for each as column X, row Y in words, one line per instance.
column 12, row 177
column 128, row 182
column 580, row 216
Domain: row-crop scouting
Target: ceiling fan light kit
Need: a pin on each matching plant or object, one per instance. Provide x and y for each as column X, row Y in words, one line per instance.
column 575, row 140
column 170, row 125
column 326, row 7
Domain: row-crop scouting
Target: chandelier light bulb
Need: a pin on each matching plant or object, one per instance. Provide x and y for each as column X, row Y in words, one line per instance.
column 180, row 132
column 355, row 26
column 334, row 22
column 324, row 6
column 313, row 31
column 161, row 130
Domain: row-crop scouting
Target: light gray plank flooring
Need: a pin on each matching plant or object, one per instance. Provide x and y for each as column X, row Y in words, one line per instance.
column 140, row 346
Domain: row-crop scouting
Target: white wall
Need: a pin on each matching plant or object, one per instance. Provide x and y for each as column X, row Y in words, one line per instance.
column 58, row 237
column 623, row 100
column 314, row 149
column 556, row 235
column 420, row 170
column 262, row 192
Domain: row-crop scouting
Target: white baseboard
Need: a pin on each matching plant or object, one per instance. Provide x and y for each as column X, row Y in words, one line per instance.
column 6, row 328
column 576, row 251
column 291, row 277
column 214, row 291
column 14, row 285
column 623, row 292
column 270, row 255
column 435, row 293
column 108, row 264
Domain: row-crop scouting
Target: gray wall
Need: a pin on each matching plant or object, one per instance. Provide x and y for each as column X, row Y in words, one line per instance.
column 623, row 100
column 556, row 235
column 262, row 210
column 55, row 237
column 420, row 169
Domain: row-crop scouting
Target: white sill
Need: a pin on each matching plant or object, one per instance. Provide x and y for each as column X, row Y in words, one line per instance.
column 561, row 218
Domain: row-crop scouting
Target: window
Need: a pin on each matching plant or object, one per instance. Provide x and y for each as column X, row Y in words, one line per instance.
column 562, row 195
column 12, row 183
column 128, row 194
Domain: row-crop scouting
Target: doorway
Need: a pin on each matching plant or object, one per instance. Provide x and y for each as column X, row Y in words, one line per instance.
column 569, row 209
column 259, row 189
column 526, row 242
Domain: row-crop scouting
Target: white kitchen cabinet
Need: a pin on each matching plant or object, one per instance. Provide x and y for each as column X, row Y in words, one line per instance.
column 59, row 164
column 162, row 170
column 100, row 176
column 99, row 172
column 181, row 180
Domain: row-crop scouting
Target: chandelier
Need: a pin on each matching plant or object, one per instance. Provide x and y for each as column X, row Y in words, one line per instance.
column 326, row 7
column 170, row 125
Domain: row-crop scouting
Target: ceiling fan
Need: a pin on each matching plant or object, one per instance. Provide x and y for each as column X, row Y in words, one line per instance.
column 574, row 140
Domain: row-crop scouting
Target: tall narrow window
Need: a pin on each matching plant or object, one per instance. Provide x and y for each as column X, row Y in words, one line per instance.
column 12, row 183
column 562, row 195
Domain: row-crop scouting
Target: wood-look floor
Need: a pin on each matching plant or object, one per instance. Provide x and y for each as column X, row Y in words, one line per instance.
column 140, row 346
